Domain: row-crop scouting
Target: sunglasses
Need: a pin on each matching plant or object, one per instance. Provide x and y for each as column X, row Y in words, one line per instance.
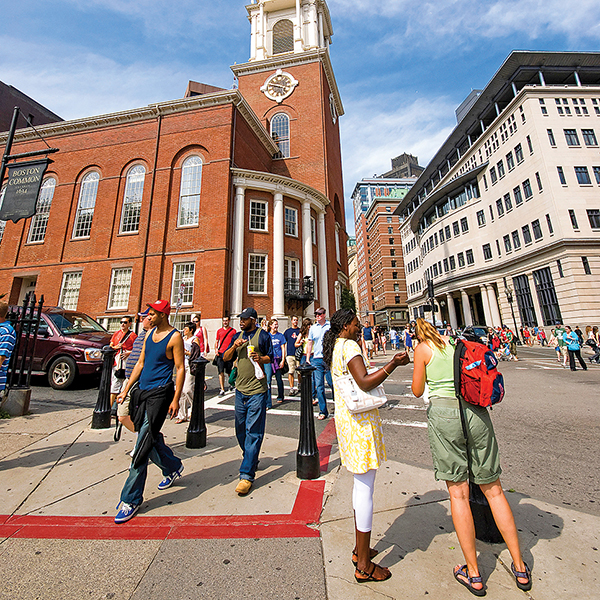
column 124, row 322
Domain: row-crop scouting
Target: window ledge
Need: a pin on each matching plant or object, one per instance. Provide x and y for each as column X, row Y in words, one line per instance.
column 258, row 230
column 194, row 226
column 79, row 239
column 39, row 243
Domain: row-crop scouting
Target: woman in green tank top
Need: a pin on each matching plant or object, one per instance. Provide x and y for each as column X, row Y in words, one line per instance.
column 434, row 366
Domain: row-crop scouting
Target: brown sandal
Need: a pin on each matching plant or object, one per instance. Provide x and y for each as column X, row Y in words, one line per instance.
column 373, row 554
column 368, row 577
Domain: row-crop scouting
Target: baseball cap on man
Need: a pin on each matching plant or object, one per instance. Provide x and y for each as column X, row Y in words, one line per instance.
column 248, row 313
column 163, row 306
column 145, row 313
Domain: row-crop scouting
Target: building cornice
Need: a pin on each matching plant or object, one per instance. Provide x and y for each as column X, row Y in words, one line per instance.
column 269, row 182
column 151, row 111
column 284, row 61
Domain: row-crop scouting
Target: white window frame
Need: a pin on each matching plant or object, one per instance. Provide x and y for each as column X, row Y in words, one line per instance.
column 315, row 273
column 313, row 230
column 132, row 198
column 65, row 288
column 284, row 143
column 293, row 232
column 39, row 222
column 179, row 277
column 296, row 267
column 266, row 217
column 115, row 288
column 190, row 190
column 88, row 192
column 252, row 255
column 338, row 252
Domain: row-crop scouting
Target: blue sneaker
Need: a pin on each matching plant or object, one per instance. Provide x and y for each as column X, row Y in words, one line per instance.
column 168, row 481
column 127, row 511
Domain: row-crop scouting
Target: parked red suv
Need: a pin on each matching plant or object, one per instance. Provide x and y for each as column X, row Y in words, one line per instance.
column 69, row 344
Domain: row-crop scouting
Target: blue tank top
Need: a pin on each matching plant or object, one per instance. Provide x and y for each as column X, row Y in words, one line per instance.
column 158, row 369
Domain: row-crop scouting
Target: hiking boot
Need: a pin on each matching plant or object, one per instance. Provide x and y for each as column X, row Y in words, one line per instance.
column 243, row 487
column 126, row 512
column 168, row 481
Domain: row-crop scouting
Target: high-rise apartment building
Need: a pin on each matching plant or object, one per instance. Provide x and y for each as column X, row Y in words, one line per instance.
column 380, row 269
column 505, row 219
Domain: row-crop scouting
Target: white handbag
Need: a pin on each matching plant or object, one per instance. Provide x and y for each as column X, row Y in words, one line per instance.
column 357, row 400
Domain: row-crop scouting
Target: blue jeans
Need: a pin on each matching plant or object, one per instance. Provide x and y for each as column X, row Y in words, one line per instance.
column 250, row 420
column 161, row 455
column 321, row 373
column 278, row 378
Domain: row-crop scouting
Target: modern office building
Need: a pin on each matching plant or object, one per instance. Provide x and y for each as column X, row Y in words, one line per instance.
column 222, row 199
column 381, row 285
column 505, row 220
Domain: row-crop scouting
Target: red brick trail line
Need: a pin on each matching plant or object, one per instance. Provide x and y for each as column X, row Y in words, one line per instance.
column 298, row 524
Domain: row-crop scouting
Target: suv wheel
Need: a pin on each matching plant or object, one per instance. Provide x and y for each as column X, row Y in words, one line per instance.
column 61, row 373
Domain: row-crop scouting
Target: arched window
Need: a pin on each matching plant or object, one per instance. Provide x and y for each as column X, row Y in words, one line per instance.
column 86, row 205
column 189, row 195
column 132, row 202
column 283, row 37
column 280, row 132
column 39, row 223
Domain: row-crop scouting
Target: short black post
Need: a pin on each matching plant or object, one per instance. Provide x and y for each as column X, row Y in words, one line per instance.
column 196, row 433
column 308, row 464
column 101, row 416
column 486, row 529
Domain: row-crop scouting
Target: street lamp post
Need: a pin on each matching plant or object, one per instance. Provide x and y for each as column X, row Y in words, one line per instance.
column 509, row 296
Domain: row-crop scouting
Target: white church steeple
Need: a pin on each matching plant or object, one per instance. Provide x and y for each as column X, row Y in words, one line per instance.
column 288, row 26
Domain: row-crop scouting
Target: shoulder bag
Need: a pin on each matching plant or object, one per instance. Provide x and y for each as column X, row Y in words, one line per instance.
column 357, row 400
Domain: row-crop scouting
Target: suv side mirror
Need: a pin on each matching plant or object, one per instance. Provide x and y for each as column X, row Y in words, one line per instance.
column 44, row 331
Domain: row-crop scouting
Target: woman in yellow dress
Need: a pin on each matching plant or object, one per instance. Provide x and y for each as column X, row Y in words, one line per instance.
column 360, row 435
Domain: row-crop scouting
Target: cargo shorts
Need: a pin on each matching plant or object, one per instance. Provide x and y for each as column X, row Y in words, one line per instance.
column 449, row 447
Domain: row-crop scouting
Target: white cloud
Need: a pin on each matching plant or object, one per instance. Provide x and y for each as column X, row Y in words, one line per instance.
column 376, row 129
column 74, row 82
column 456, row 23
column 180, row 19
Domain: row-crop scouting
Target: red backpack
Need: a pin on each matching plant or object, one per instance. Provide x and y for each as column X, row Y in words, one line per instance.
column 476, row 376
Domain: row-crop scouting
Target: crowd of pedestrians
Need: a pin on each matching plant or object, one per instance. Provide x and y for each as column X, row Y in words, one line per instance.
column 259, row 352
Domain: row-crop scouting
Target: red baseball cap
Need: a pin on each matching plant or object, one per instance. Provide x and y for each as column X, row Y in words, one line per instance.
column 163, row 306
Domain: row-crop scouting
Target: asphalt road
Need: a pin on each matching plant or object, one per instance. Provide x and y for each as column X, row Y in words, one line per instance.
column 548, row 425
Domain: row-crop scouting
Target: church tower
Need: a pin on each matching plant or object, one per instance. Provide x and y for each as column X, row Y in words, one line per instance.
column 290, row 85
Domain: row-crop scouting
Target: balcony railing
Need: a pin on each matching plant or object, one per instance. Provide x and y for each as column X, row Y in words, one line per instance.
column 302, row 290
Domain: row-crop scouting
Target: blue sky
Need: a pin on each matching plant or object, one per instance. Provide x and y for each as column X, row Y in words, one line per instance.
column 402, row 66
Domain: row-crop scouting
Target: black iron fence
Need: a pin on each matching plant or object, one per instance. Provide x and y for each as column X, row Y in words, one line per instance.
column 26, row 321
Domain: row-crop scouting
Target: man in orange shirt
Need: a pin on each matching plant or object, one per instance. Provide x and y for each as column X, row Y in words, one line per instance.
column 121, row 341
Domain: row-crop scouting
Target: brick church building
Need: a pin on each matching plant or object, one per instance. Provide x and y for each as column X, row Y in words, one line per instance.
column 236, row 194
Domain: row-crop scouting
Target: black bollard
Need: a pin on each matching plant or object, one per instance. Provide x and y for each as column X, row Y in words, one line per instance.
column 101, row 416
column 308, row 464
column 196, row 433
column 486, row 529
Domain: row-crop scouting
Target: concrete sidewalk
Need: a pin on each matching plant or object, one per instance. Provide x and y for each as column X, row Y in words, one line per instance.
column 60, row 482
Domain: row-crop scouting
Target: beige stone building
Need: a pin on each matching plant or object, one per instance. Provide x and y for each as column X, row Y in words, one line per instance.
column 505, row 220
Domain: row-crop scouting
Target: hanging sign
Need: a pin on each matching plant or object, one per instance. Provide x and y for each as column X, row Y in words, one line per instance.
column 22, row 189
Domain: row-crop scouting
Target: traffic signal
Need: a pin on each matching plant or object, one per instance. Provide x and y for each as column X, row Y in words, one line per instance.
column 430, row 291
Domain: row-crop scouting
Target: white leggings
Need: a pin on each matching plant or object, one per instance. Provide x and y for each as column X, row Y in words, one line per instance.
column 362, row 499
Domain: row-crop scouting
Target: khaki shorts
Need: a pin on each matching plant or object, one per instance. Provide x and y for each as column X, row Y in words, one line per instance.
column 564, row 350
column 292, row 364
column 369, row 344
column 448, row 446
column 123, row 408
column 116, row 385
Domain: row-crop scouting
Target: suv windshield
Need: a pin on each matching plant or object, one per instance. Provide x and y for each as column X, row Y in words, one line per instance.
column 73, row 323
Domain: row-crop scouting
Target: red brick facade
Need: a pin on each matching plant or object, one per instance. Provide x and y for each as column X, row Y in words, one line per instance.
column 228, row 130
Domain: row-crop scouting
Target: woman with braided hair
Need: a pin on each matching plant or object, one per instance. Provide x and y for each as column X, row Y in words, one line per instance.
column 360, row 436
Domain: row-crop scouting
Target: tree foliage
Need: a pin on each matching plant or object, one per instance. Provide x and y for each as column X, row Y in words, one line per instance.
column 348, row 300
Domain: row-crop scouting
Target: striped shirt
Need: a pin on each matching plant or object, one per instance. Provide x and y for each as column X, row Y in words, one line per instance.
column 8, row 338
column 136, row 351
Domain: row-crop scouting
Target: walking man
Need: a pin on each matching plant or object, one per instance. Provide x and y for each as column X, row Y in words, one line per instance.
column 224, row 339
column 252, row 348
column 315, row 346
column 136, row 351
column 367, row 333
column 121, row 341
column 154, row 399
